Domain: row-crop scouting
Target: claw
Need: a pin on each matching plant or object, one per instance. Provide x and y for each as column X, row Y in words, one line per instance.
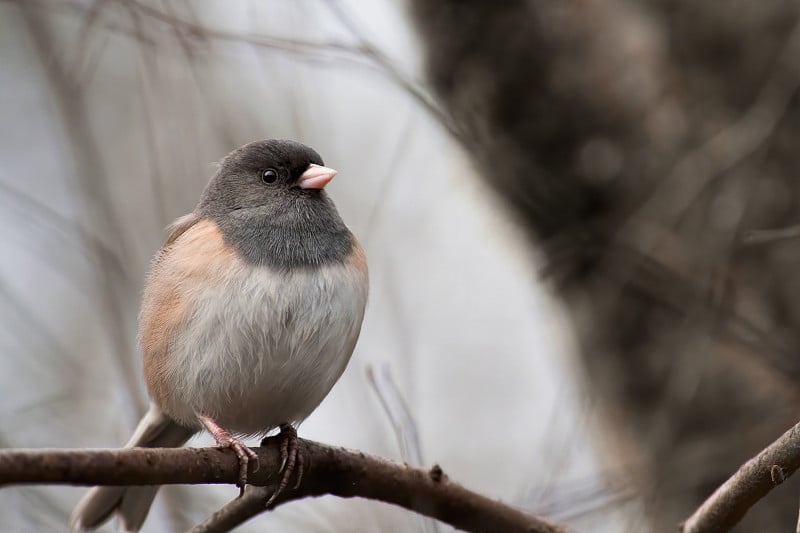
column 300, row 468
column 244, row 454
column 226, row 440
column 290, row 457
column 284, row 452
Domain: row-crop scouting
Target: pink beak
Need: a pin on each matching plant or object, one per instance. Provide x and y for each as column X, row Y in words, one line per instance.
column 316, row 177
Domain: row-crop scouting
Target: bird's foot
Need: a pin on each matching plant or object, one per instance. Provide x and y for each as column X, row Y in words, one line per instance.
column 291, row 461
column 226, row 440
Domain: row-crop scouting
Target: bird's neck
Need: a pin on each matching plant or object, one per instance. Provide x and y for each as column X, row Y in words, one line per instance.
column 299, row 236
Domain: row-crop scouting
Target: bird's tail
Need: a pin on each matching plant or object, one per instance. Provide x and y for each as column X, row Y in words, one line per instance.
column 130, row 504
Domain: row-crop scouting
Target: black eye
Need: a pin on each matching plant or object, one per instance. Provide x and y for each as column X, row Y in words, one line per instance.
column 269, row 176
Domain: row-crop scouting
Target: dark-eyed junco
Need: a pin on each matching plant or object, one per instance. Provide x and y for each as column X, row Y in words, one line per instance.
column 250, row 313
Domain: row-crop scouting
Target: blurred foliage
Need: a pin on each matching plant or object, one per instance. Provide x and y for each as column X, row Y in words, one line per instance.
column 641, row 144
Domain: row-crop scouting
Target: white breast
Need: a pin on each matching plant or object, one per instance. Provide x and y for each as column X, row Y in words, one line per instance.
column 262, row 347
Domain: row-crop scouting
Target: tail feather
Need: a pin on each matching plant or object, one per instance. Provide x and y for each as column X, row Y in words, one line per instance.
column 130, row 504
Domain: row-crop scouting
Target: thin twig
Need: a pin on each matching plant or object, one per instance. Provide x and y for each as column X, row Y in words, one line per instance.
column 729, row 503
column 403, row 424
column 238, row 511
column 413, row 88
column 765, row 236
column 396, row 409
column 328, row 470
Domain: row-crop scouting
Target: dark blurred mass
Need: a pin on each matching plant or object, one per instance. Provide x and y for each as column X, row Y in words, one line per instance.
column 650, row 148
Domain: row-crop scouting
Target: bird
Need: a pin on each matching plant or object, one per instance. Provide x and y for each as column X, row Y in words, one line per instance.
column 250, row 313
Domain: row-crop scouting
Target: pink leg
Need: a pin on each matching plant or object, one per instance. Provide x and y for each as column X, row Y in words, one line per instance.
column 226, row 440
column 291, row 459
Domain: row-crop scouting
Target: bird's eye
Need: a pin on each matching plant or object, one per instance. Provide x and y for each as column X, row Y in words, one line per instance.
column 269, row 176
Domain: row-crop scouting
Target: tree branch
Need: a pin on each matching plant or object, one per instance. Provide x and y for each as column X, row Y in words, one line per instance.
column 729, row 503
column 237, row 511
column 328, row 470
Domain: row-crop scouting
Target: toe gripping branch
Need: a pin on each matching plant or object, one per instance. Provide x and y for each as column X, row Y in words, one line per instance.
column 226, row 440
column 291, row 461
